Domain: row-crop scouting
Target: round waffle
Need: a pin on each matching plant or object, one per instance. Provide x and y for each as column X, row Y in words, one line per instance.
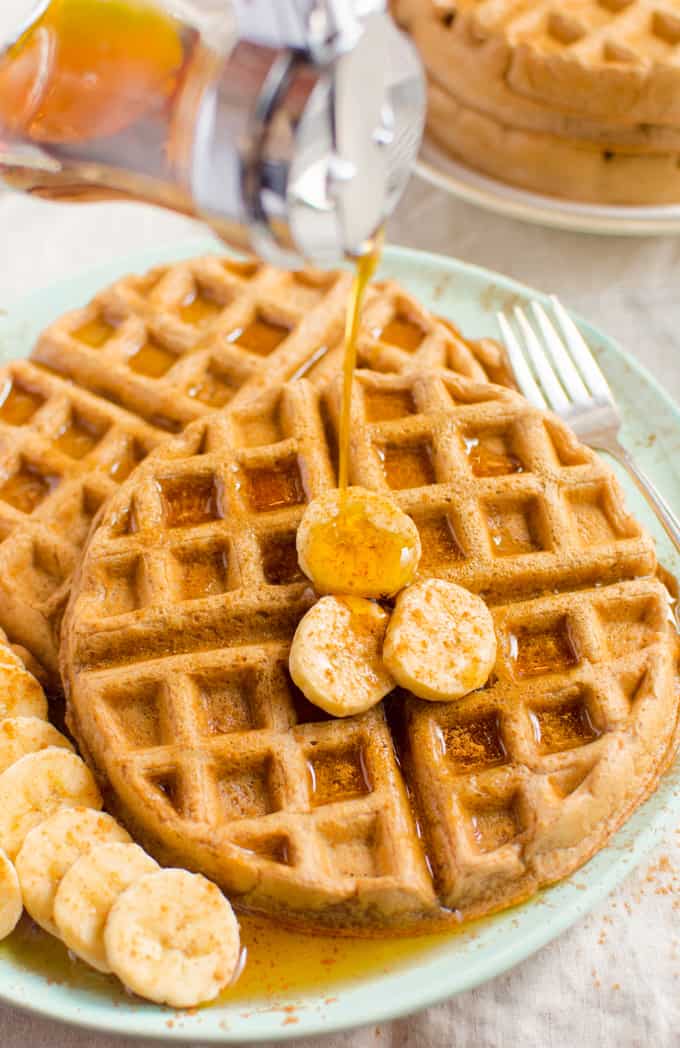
column 175, row 647
column 612, row 61
column 107, row 383
column 579, row 100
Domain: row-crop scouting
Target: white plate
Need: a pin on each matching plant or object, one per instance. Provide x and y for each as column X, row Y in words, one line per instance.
column 441, row 170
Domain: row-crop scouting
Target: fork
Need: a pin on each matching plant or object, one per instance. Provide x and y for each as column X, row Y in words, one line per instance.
column 567, row 379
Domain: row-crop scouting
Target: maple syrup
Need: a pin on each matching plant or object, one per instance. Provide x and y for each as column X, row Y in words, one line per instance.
column 18, row 404
column 277, row 963
column 366, row 266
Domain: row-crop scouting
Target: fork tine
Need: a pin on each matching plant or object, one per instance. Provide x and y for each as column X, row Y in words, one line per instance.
column 525, row 379
column 569, row 376
column 553, row 391
column 581, row 352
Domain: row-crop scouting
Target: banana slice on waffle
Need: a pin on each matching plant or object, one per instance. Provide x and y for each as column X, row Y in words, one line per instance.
column 11, row 905
column 87, row 892
column 38, row 785
column 172, row 937
column 51, row 848
column 358, row 542
column 336, row 655
column 20, row 736
column 440, row 643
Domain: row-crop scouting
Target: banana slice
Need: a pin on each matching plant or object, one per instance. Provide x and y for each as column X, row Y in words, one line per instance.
column 20, row 693
column 51, row 848
column 440, row 643
column 336, row 655
column 357, row 542
column 11, row 905
column 38, row 785
column 22, row 735
column 172, row 937
column 87, row 892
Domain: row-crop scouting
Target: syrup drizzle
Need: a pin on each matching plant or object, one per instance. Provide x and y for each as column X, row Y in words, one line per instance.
column 365, row 270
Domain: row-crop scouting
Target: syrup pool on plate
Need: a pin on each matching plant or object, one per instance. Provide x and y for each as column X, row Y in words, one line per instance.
column 275, row 962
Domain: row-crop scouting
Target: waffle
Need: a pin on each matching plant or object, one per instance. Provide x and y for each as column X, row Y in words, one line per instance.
column 611, row 61
column 580, row 100
column 545, row 163
column 174, row 657
column 151, row 353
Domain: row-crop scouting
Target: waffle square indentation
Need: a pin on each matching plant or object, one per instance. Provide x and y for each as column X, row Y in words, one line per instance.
column 152, row 359
column 18, row 403
column 95, row 333
column 402, row 331
column 226, row 702
column 384, row 405
column 135, row 710
column 125, row 460
column 564, row 725
column 353, row 850
column 339, row 775
column 628, row 625
column 536, row 651
column 280, row 560
column 214, row 387
column 593, row 516
column 438, row 540
column 28, row 487
column 189, row 501
column 261, row 336
column 492, row 454
column 408, row 465
column 245, row 792
column 276, row 486
column 474, row 742
column 202, row 572
column 122, row 582
column 514, row 526
column 199, row 308
column 78, row 437
column 495, row 825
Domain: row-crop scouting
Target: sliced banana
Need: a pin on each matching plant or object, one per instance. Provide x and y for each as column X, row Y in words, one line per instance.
column 11, row 905
column 357, row 542
column 51, row 848
column 87, row 892
column 22, row 735
column 38, row 785
column 20, row 693
column 440, row 643
column 172, row 937
column 336, row 655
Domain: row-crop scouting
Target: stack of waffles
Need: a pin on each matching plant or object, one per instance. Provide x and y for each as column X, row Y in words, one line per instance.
column 108, row 383
column 175, row 658
column 578, row 99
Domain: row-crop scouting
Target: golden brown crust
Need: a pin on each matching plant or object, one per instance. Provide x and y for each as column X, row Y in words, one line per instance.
column 179, row 692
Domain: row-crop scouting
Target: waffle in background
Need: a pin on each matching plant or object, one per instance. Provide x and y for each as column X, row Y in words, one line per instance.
column 107, row 383
column 578, row 99
column 175, row 647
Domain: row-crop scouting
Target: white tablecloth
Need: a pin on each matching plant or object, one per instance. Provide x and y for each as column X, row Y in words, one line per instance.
column 614, row 979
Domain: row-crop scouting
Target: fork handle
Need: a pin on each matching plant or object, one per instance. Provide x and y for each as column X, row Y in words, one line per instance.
column 665, row 514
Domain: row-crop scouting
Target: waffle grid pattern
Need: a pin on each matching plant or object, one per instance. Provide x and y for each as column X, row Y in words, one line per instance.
column 182, row 700
column 148, row 355
column 578, row 100
column 63, row 453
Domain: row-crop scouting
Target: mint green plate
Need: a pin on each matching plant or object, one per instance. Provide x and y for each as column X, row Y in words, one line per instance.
column 470, row 296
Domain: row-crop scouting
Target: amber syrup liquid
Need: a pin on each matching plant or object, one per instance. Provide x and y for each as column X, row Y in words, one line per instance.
column 366, row 267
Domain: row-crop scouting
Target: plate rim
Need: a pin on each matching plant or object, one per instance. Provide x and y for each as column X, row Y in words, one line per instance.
column 445, row 172
column 150, row 1021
